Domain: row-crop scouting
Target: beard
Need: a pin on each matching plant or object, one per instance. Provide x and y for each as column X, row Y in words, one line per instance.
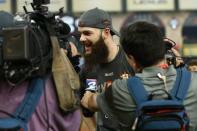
column 98, row 55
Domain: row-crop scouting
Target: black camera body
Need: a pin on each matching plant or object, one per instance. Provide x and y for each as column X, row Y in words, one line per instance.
column 170, row 56
column 25, row 52
column 25, row 47
column 16, row 43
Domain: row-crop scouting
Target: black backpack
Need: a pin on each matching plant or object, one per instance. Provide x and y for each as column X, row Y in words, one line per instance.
column 161, row 114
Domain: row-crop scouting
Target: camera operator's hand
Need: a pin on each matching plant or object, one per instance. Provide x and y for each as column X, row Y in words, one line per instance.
column 179, row 60
column 74, row 57
column 74, row 51
column 176, row 58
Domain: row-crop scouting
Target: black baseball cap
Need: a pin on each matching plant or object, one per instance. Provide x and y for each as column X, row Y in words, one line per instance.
column 97, row 18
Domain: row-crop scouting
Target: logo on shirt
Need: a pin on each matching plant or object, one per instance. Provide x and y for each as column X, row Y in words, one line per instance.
column 91, row 84
column 109, row 74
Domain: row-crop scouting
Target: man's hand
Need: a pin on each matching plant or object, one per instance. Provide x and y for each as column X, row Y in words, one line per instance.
column 89, row 101
column 179, row 60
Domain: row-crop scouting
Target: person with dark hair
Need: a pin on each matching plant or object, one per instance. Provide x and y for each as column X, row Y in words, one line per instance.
column 33, row 103
column 145, row 50
column 105, row 61
column 192, row 65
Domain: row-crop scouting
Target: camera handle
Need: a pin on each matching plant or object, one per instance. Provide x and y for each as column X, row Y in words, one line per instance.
column 65, row 77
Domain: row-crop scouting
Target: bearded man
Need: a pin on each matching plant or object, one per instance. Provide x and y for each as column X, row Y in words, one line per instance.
column 105, row 61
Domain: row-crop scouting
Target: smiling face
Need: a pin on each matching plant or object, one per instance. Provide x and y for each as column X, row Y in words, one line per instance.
column 88, row 38
column 95, row 49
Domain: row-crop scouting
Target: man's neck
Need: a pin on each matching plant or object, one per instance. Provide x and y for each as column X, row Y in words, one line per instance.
column 162, row 64
column 113, row 51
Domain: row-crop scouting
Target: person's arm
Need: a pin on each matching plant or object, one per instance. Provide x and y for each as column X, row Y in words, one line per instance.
column 179, row 60
column 89, row 101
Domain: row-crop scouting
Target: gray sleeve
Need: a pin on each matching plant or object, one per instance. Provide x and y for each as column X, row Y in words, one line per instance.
column 104, row 105
column 190, row 101
column 117, row 96
column 119, row 100
column 122, row 100
column 101, row 101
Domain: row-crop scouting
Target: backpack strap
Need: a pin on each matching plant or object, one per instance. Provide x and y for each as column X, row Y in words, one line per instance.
column 137, row 90
column 179, row 91
column 182, row 83
column 31, row 99
column 18, row 120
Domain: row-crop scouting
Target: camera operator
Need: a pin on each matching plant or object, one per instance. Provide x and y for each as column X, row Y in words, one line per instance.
column 47, row 114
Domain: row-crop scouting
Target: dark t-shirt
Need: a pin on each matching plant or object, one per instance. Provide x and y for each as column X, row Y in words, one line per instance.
column 104, row 74
column 118, row 68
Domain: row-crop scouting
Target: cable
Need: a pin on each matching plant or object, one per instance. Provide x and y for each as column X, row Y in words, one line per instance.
column 46, row 105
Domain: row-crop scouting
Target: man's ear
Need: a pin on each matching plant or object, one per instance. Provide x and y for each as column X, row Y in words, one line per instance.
column 131, row 60
column 106, row 32
column 133, row 63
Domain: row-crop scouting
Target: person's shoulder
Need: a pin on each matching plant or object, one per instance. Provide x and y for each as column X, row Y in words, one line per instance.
column 121, row 97
column 194, row 77
column 119, row 85
column 193, row 82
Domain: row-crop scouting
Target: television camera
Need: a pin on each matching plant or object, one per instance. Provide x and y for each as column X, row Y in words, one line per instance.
column 25, row 47
column 170, row 56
